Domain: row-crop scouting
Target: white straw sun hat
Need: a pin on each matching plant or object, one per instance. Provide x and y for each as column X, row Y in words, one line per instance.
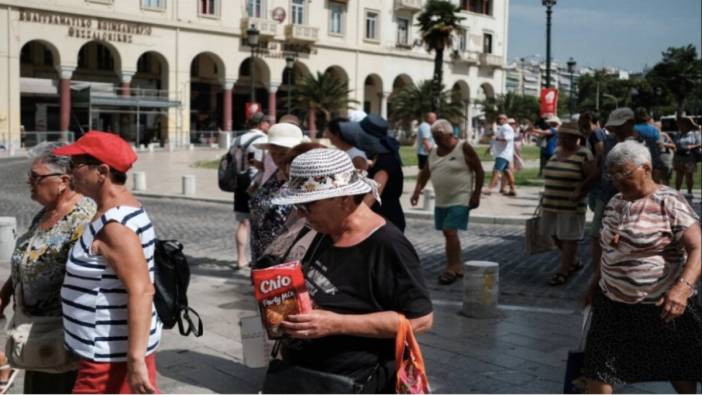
column 282, row 135
column 322, row 174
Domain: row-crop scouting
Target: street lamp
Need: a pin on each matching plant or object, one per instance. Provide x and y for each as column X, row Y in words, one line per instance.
column 548, row 4
column 252, row 40
column 289, row 64
column 571, row 69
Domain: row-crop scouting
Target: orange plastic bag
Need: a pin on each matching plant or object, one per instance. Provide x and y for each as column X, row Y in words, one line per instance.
column 411, row 374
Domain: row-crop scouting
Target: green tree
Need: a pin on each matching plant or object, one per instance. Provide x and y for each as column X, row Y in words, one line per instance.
column 679, row 73
column 519, row 107
column 324, row 93
column 411, row 103
column 437, row 24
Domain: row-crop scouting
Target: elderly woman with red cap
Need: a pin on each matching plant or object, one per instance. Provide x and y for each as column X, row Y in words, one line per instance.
column 110, row 320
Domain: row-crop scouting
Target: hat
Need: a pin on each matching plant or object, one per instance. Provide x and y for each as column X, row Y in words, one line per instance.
column 442, row 126
column 323, row 173
column 511, row 120
column 282, row 135
column 553, row 119
column 571, row 128
column 357, row 115
column 620, row 116
column 257, row 118
column 366, row 134
column 108, row 148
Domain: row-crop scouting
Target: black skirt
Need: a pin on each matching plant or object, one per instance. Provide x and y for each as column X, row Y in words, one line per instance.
column 629, row 343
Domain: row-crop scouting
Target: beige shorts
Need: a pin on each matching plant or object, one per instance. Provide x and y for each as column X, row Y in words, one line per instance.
column 563, row 225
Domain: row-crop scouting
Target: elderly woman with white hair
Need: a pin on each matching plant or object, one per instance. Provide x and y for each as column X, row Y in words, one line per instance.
column 645, row 325
column 360, row 271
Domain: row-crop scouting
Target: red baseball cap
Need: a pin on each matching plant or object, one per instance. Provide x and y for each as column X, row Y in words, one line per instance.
column 108, row 148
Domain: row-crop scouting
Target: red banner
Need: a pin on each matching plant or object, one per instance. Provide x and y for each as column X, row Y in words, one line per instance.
column 548, row 102
column 251, row 109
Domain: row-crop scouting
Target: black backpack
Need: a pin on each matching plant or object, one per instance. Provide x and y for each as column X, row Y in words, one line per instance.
column 171, row 280
column 233, row 173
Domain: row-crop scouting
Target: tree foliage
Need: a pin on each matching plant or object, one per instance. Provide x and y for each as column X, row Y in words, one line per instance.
column 323, row 92
column 413, row 101
column 437, row 23
column 519, row 107
column 679, row 73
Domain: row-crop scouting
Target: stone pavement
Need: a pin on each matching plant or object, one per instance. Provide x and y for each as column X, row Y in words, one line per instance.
column 523, row 350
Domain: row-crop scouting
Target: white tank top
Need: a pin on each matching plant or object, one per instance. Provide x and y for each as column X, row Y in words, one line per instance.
column 451, row 177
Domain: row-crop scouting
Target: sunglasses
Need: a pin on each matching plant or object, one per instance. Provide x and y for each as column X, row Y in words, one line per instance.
column 36, row 178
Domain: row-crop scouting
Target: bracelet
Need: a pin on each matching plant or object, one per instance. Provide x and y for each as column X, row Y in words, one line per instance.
column 692, row 288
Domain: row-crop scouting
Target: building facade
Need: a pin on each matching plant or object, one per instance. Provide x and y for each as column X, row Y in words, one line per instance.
column 161, row 70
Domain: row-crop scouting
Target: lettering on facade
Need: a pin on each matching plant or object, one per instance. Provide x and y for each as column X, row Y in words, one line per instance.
column 88, row 28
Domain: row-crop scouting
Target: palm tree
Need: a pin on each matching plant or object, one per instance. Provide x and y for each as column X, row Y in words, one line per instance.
column 411, row 103
column 437, row 23
column 519, row 107
column 323, row 93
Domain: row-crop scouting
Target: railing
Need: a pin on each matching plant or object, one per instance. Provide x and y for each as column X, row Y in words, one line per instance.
column 301, row 33
column 468, row 57
column 141, row 93
column 204, row 137
column 266, row 27
column 408, row 5
column 490, row 60
column 30, row 139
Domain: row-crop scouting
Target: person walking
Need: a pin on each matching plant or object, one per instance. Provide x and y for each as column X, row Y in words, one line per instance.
column 110, row 320
column 38, row 267
column 425, row 141
column 645, row 325
column 548, row 139
column 504, row 155
column 333, row 133
column 567, row 178
column 687, row 142
column 457, row 176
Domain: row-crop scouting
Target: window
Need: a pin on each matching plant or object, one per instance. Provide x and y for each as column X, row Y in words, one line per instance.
column 254, row 8
column 487, row 43
column 156, row 4
column 298, row 12
column 462, row 40
column 208, row 7
column 402, row 31
column 336, row 18
column 104, row 58
column 371, row 25
column 478, row 6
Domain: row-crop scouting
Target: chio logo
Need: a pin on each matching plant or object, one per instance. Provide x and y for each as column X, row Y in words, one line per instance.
column 274, row 283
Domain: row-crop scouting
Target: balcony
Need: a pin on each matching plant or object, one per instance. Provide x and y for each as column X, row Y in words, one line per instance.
column 490, row 60
column 408, row 5
column 266, row 27
column 301, row 33
column 465, row 57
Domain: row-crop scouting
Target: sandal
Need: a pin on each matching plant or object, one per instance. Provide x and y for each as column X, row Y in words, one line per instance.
column 449, row 277
column 511, row 193
column 486, row 192
column 576, row 266
column 558, row 279
column 6, row 384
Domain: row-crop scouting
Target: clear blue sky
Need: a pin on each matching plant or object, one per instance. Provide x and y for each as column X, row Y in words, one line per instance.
column 622, row 33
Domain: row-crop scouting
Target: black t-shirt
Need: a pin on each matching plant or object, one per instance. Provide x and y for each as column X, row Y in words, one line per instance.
column 390, row 207
column 382, row 273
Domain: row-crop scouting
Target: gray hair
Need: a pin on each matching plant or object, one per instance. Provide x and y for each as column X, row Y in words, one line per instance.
column 442, row 126
column 629, row 151
column 42, row 153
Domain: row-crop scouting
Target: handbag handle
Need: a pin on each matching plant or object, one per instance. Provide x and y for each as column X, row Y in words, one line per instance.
column 405, row 339
column 537, row 210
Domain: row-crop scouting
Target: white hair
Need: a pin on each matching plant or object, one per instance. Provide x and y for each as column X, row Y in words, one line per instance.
column 43, row 153
column 629, row 151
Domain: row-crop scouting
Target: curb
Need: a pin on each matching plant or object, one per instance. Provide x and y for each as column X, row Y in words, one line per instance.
column 183, row 197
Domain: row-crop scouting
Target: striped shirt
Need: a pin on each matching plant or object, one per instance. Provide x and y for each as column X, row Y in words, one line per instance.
column 649, row 255
column 94, row 300
column 561, row 177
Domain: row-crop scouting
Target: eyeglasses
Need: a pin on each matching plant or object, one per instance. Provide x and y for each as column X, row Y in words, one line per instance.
column 622, row 176
column 36, row 178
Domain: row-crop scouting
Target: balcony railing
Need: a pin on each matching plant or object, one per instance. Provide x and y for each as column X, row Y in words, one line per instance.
column 31, row 138
column 490, row 60
column 467, row 57
column 301, row 33
column 409, row 5
column 266, row 27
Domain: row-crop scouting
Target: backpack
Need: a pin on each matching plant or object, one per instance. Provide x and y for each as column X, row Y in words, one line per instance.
column 171, row 280
column 233, row 173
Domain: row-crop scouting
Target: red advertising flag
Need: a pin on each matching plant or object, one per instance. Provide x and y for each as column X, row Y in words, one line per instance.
column 548, row 102
column 251, row 109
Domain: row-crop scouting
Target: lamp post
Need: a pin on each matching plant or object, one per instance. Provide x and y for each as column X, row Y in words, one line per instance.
column 571, row 69
column 289, row 64
column 252, row 40
column 548, row 4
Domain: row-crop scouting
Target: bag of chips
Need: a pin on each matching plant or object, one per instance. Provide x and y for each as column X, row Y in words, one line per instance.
column 280, row 291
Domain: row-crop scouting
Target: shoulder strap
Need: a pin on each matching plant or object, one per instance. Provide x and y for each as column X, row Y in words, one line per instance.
column 245, row 147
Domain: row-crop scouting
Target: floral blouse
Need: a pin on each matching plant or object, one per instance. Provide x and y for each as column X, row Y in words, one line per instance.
column 267, row 219
column 38, row 270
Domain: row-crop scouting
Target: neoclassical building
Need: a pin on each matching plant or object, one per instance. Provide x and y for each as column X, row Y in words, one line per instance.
column 162, row 70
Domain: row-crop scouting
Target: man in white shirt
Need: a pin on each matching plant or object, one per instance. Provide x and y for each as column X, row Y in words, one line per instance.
column 504, row 154
column 425, row 141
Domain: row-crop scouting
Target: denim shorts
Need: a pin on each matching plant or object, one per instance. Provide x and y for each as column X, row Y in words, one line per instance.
column 501, row 164
column 453, row 217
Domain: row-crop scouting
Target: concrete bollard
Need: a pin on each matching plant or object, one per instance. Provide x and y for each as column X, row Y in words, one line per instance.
column 191, row 147
column 8, row 233
column 139, row 181
column 189, row 185
column 481, row 280
column 224, row 139
column 152, row 147
column 428, row 200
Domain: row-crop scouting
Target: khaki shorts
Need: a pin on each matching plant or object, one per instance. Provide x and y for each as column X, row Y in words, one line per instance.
column 563, row 225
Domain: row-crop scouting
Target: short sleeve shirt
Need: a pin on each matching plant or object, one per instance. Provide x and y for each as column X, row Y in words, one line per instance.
column 505, row 149
column 424, row 132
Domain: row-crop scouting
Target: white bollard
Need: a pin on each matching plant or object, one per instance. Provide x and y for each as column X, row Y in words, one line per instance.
column 191, row 147
column 225, row 140
column 8, row 233
column 254, row 342
column 139, row 181
column 189, row 185
column 152, row 146
column 428, row 200
column 481, row 280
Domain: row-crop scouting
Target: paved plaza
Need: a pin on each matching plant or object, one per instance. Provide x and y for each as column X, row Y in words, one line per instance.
column 522, row 351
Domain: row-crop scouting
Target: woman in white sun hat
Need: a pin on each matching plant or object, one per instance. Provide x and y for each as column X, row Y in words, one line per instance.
column 360, row 273
column 267, row 219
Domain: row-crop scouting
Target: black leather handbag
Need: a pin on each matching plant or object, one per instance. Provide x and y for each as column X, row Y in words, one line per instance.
column 285, row 378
